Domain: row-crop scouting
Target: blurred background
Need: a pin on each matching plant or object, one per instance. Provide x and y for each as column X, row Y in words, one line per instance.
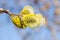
column 50, row 9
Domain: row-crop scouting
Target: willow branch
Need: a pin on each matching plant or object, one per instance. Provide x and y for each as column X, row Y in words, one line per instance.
column 6, row 12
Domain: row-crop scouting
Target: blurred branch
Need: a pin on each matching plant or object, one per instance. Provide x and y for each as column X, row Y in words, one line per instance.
column 36, row 2
column 53, row 31
column 56, row 3
column 46, row 6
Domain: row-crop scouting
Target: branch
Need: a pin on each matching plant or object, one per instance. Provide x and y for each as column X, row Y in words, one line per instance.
column 4, row 11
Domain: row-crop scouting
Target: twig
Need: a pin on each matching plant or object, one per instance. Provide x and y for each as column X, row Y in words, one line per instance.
column 4, row 11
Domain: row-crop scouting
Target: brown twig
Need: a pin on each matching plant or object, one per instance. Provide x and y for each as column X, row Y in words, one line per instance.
column 4, row 11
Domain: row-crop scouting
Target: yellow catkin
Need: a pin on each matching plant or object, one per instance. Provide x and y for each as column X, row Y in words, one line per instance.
column 27, row 10
column 27, row 18
column 33, row 20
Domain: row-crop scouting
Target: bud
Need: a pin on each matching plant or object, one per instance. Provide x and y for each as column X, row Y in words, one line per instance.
column 16, row 20
column 1, row 10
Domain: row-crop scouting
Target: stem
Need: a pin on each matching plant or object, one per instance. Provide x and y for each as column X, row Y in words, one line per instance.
column 6, row 12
